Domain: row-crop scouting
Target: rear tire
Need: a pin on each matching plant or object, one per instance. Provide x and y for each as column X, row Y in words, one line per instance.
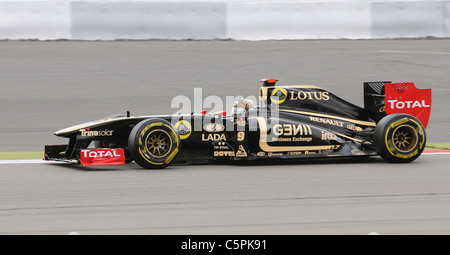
column 154, row 143
column 399, row 138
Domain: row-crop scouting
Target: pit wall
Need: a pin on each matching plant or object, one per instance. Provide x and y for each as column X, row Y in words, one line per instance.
column 238, row 20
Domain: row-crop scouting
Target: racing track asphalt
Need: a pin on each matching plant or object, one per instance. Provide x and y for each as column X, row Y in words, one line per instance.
column 318, row 197
column 46, row 86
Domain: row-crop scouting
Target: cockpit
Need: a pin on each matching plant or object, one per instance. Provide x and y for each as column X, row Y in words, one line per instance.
column 242, row 106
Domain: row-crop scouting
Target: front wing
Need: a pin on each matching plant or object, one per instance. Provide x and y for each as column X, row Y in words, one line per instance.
column 85, row 157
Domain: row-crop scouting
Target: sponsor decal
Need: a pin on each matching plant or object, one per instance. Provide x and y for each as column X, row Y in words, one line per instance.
column 224, row 153
column 241, row 152
column 213, row 137
column 354, row 128
column 261, row 153
column 264, row 137
column 303, row 95
column 100, row 153
column 406, row 98
column 87, row 132
column 291, row 129
column 278, row 96
column 399, row 122
column 383, row 108
column 183, row 128
column 359, row 122
column 326, row 136
column 327, row 121
column 271, row 154
column 96, row 157
column 291, row 133
column 222, row 146
column 214, row 127
column 295, row 153
column 292, row 139
column 310, row 152
column 396, row 104
column 335, row 123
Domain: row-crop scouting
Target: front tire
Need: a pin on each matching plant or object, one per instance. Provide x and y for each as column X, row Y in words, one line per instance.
column 399, row 138
column 154, row 143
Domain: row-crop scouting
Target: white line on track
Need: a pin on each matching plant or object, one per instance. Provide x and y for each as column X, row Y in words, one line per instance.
column 435, row 153
column 414, row 52
column 28, row 161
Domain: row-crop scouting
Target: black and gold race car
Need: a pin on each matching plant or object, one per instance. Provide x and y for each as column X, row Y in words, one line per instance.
column 299, row 121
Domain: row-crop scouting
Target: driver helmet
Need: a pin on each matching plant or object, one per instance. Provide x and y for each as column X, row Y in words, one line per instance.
column 241, row 106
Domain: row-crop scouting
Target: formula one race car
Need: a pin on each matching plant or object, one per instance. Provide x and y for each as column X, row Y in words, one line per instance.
column 301, row 121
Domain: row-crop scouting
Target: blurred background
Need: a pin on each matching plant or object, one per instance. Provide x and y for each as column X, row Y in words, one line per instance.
column 223, row 19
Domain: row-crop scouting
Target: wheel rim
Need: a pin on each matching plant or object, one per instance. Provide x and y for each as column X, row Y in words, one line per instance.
column 405, row 138
column 158, row 143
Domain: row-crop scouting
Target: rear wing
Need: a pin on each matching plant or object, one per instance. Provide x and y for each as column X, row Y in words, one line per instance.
column 384, row 98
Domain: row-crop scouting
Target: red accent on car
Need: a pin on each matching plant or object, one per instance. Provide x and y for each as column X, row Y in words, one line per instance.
column 406, row 98
column 102, row 157
column 268, row 80
column 221, row 113
column 203, row 112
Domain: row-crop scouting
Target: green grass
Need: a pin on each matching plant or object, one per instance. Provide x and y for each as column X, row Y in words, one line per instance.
column 437, row 146
column 21, row 155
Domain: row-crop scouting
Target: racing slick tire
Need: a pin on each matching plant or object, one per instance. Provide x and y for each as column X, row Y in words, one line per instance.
column 399, row 138
column 154, row 143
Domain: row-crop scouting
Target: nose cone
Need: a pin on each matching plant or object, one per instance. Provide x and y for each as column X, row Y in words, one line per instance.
column 67, row 131
column 75, row 129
